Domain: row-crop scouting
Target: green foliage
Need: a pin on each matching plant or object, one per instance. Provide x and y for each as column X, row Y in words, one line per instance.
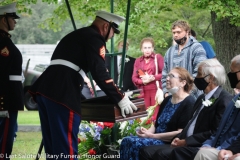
column 149, row 18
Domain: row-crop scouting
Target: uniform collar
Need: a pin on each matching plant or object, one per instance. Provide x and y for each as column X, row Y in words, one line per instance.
column 95, row 28
column 4, row 33
column 151, row 56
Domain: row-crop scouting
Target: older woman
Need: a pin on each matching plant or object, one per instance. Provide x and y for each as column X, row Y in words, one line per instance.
column 172, row 117
column 144, row 73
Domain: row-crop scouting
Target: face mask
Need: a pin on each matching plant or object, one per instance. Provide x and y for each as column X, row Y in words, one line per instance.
column 233, row 79
column 201, row 83
column 181, row 40
column 173, row 90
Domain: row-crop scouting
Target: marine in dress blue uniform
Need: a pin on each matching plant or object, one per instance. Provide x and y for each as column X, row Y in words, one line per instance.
column 11, row 91
column 57, row 90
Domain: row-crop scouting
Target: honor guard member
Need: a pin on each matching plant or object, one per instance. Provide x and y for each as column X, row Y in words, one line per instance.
column 11, row 91
column 57, row 90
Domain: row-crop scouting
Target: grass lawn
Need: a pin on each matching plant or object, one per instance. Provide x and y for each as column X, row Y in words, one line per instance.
column 28, row 118
column 27, row 143
column 26, row 146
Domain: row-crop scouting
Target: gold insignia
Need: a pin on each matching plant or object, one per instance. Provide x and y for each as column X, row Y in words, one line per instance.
column 5, row 52
column 109, row 81
column 102, row 52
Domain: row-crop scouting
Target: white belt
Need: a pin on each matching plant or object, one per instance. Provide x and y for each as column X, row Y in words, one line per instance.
column 15, row 78
column 65, row 63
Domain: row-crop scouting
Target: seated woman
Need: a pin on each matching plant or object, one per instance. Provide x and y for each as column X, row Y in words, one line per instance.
column 87, row 91
column 172, row 117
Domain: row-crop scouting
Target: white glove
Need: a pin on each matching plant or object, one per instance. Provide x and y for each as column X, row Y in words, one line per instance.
column 126, row 106
column 159, row 96
column 129, row 93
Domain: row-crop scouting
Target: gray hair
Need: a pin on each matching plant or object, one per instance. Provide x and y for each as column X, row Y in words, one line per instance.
column 236, row 59
column 215, row 68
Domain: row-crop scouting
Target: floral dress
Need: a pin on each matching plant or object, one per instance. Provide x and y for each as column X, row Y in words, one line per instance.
column 130, row 145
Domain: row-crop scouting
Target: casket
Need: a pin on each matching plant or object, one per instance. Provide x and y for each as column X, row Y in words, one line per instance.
column 102, row 109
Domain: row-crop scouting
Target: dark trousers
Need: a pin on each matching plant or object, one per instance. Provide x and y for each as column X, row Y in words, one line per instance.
column 184, row 153
column 155, row 152
column 166, row 152
column 7, row 132
column 60, row 127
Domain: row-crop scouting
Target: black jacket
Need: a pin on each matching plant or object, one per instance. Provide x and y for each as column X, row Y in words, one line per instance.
column 208, row 119
column 86, row 48
column 11, row 92
column 127, row 74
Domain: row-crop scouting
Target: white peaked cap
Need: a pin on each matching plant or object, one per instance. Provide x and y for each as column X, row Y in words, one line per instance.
column 9, row 10
column 110, row 17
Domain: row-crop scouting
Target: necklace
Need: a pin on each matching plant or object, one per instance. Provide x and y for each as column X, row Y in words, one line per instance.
column 147, row 62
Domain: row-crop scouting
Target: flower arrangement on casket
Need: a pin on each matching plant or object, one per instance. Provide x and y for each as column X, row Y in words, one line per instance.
column 96, row 137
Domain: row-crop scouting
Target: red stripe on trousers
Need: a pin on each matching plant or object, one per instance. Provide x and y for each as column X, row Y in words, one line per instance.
column 5, row 137
column 70, row 125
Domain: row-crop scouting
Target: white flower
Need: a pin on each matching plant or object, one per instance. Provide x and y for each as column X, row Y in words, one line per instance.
column 237, row 104
column 207, row 103
column 119, row 141
column 123, row 125
column 127, row 59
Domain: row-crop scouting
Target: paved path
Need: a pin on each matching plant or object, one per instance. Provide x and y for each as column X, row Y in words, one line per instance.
column 29, row 128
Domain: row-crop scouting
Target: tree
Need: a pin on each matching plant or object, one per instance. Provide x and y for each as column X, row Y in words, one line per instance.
column 153, row 18
column 225, row 18
column 147, row 18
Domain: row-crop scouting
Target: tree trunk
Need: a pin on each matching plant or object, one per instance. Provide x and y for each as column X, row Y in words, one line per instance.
column 227, row 42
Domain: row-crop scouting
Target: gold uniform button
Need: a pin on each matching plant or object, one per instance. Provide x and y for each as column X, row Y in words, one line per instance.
column 2, row 103
column 1, row 97
column 2, row 108
column 80, row 85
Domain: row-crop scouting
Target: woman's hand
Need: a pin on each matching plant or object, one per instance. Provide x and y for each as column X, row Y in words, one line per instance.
column 147, row 78
column 144, row 133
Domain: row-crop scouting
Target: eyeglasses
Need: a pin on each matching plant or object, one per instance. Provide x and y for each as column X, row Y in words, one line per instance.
column 171, row 76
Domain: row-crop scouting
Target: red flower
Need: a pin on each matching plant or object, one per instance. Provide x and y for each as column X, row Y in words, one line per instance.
column 149, row 121
column 79, row 140
column 92, row 152
column 108, row 124
column 100, row 124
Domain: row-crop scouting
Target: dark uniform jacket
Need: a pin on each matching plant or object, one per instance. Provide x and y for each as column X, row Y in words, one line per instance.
column 85, row 48
column 127, row 74
column 11, row 92
column 208, row 119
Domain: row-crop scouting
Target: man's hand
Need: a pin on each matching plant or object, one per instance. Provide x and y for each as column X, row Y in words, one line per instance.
column 126, row 106
column 178, row 142
column 234, row 156
column 224, row 154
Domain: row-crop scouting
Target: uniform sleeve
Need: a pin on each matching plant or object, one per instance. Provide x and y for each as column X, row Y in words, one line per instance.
column 95, row 57
column 199, row 56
